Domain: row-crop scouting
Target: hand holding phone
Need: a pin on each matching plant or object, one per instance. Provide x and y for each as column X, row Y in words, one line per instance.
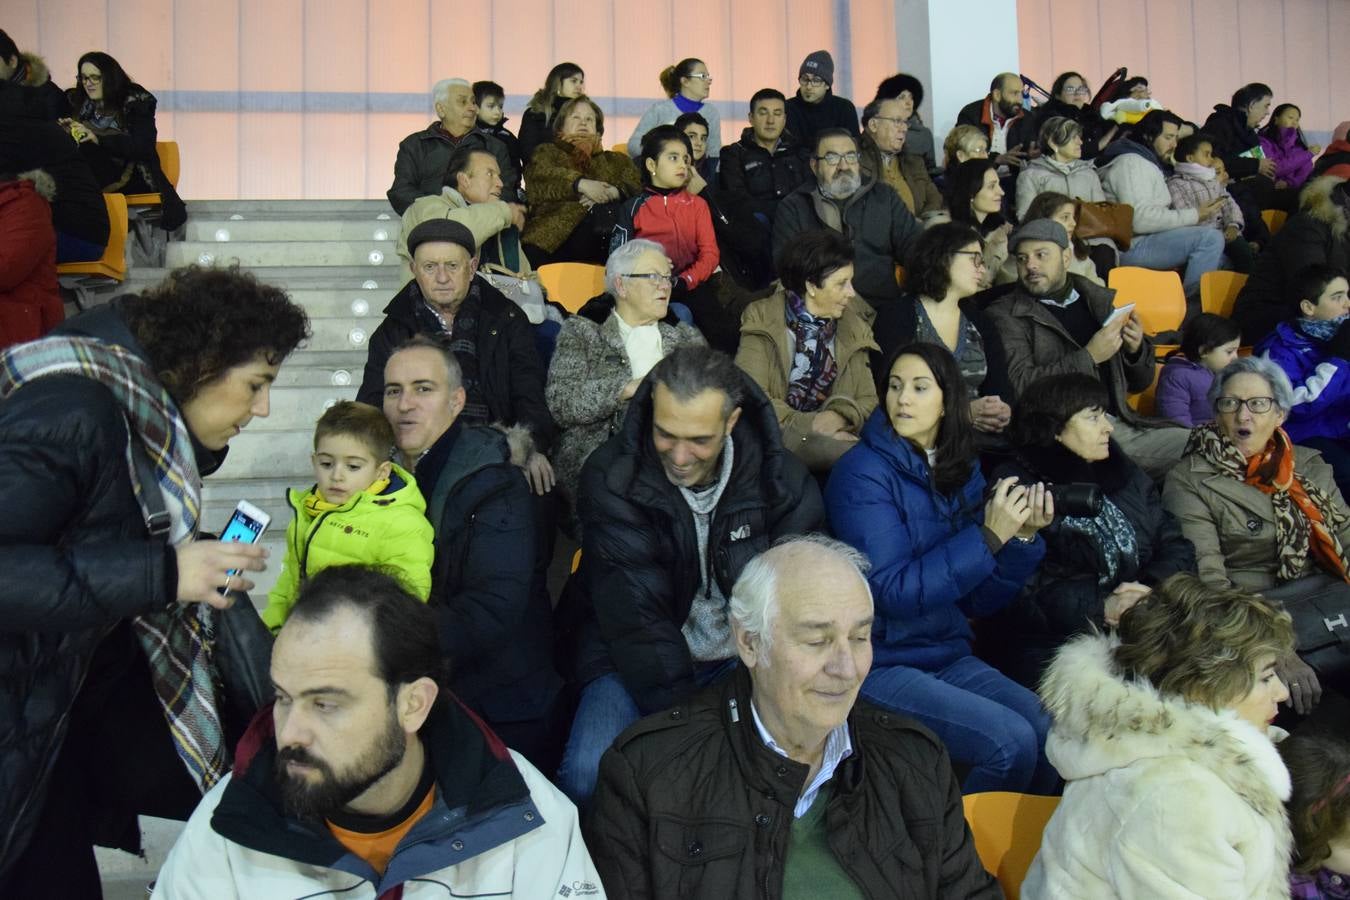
column 209, row 570
column 1117, row 313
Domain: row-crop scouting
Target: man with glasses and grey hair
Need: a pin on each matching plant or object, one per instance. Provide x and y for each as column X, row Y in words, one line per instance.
column 606, row 349
column 420, row 168
column 778, row 775
column 694, row 484
column 868, row 212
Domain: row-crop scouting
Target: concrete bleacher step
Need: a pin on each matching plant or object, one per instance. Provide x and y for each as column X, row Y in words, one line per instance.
column 291, row 229
column 292, row 254
column 253, row 209
column 382, row 281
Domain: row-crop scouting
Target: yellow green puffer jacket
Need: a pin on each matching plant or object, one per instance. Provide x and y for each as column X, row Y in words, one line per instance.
column 390, row 530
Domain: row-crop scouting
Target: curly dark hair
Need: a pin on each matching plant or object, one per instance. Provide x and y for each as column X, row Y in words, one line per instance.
column 1049, row 402
column 200, row 322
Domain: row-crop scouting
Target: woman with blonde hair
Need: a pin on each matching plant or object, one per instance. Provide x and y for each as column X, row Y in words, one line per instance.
column 1163, row 733
column 687, row 83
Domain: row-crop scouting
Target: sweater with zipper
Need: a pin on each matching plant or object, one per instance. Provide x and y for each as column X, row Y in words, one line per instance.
column 389, row 530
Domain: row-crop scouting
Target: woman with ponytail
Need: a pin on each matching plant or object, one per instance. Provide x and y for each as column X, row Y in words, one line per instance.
column 687, row 84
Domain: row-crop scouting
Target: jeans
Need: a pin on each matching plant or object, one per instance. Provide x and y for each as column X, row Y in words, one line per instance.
column 1199, row 248
column 986, row 720
column 604, row 711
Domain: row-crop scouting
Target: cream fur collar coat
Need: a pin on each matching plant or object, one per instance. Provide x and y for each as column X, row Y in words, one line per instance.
column 1165, row 799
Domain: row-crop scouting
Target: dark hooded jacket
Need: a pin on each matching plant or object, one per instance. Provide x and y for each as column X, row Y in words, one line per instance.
column 31, row 91
column 1232, row 137
column 692, row 804
column 510, row 372
column 79, row 563
column 78, row 208
column 754, row 181
column 640, row 560
column 1316, row 234
column 805, row 119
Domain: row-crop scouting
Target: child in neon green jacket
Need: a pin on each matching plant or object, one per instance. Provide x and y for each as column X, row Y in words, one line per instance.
column 363, row 509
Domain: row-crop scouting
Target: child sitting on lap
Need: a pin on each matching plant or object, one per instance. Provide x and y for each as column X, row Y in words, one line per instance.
column 364, row 508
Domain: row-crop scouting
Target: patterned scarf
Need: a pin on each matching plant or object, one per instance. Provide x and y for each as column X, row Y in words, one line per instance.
column 178, row 641
column 1321, row 330
column 813, row 367
column 1305, row 518
column 1112, row 533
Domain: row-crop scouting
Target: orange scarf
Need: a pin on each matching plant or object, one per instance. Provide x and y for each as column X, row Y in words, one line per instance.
column 1272, row 471
column 584, row 146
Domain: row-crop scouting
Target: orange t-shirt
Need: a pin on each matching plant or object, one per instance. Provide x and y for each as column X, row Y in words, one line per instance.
column 378, row 847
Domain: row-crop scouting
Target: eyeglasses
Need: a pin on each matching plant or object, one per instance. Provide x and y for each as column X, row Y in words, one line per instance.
column 976, row 257
column 655, row 279
column 1257, row 405
column 92, row 79
column 811, row 81
column 1081, row 89
column 835, row 159
column 894, row 120
column 701, row 76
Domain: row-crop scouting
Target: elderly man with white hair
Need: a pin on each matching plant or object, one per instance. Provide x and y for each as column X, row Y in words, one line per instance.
column 777, row 781
column 423, row 156
column 606, row 349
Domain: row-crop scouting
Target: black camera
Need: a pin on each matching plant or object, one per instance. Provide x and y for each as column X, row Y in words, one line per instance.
column 1079, row 499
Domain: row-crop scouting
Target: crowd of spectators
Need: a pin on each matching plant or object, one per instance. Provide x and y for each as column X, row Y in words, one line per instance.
column 824, row 327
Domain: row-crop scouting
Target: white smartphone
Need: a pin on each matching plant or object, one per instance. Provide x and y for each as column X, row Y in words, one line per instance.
column 246, row 526
column 1118, row 312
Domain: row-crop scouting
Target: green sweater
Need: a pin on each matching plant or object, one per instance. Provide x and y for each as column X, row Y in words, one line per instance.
column 390, row 530
column 811, row 869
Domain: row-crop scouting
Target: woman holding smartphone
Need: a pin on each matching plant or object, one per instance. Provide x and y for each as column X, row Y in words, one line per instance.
column 108, row 702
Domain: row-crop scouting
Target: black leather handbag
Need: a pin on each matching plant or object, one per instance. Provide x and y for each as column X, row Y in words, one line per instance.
column 1320, row 608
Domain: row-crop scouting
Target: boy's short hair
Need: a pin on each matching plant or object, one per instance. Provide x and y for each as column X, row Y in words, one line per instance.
column 485, row 89
column 361, row 421
column 1190, row 145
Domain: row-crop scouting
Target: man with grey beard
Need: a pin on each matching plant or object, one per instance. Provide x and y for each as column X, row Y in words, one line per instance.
column 869, row 214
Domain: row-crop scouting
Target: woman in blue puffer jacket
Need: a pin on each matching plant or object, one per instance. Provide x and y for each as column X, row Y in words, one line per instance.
column 911, row 497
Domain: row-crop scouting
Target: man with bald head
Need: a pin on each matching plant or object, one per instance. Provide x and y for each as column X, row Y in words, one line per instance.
column 779, row 776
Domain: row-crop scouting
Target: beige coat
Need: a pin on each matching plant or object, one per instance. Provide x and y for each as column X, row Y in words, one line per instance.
column 486, row 221
column 766, row 355
column 1232, row 524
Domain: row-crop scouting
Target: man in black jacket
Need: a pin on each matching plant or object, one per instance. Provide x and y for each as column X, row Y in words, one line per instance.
column 420, row 167
column 671, row 508
column 867, row 212
column 79, row 213
column 494, row 614
column 778, row 783
column 503, row 376
column 815, row 107
column 26, row 85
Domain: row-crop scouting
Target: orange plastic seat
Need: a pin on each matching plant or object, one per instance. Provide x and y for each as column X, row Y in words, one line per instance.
column 572, row 284
column 1219, row 291
column 621, row 147
column 1157, row 296
column 1007, row 829
column 1274, row 219
column 1145, row 402
column 170, row 162
column 112, row 265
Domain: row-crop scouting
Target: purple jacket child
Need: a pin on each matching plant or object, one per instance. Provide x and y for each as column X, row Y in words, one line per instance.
column 1293, row 161
column 1182, row 389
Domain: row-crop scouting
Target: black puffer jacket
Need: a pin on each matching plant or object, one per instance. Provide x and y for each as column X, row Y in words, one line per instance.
column 1232, row 137
column 78, row 563
column 640, row 560
column 79, row 209
column 419, row 168
column 691, row 804
column 509, row 369
column 1319, row 233
column 495, row 626
column 755, row 180
column 534, row 131
column 1066, row 596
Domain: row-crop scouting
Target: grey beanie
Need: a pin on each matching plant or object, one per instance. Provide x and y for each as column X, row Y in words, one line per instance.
column 820, row 64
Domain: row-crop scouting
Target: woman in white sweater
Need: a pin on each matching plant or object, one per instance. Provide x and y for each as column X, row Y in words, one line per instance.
column 1175, row 788
column 687, row 84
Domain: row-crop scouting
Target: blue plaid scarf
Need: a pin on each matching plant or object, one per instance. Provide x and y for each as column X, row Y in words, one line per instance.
column 178, row 641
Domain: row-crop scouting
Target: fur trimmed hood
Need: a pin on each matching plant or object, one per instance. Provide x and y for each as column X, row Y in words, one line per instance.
column 1317, row 201
column 1103, row 722
column 43, row 183
column 36, row 66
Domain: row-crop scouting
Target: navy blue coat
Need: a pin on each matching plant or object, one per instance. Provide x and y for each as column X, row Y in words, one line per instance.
column 931, row 565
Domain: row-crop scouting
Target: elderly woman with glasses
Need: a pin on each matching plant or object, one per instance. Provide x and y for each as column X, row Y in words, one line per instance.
column 807, row 347
column 1260, row 511
column 607, row 348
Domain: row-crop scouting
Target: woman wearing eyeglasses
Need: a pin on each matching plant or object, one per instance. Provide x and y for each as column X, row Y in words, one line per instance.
column 807, row 346
column 1071, row 98
column 1260, row 511
column 687, row 84
column 606, row 349
column 114, row 124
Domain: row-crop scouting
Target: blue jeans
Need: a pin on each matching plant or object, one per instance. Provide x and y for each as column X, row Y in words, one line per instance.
column 986, row 720
column 604, row 711
column 1198, row 248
